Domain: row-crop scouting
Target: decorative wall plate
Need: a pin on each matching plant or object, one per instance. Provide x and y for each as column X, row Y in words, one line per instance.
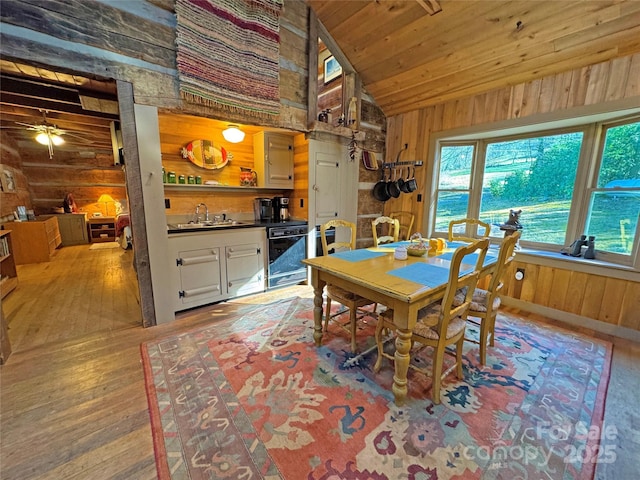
column 204, row 154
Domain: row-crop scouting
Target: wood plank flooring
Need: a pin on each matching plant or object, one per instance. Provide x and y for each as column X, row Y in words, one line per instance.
column 73, row 404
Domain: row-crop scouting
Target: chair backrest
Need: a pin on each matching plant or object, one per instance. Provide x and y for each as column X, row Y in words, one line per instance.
column 406, row 224
column 393, row 229
column 505, row 257
column 464, row 229
column 456, row 281
column 337, row 246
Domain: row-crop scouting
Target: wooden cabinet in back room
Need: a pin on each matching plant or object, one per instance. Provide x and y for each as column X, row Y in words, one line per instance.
column 34, row 241
column 73, row 228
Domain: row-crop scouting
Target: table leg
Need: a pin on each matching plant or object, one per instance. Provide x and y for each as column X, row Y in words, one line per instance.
column 317, row 314
column 401, row 362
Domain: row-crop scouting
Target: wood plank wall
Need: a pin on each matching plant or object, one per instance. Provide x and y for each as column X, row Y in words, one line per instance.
column 612, row 301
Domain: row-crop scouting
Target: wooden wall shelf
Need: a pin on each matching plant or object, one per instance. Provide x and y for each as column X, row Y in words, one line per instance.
column 224, row 188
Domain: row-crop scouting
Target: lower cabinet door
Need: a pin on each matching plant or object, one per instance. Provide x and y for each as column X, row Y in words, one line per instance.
column 200, row 276
column 245, row 269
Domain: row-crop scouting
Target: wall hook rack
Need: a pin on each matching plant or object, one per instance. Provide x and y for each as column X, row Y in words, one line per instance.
column 415, row 163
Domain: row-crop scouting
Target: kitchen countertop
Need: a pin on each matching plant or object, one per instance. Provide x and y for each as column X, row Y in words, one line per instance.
column 173, row 228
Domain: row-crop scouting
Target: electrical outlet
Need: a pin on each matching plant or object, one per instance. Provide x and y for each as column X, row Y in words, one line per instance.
column 167, row 203
column 419, row 199
column 302, row 203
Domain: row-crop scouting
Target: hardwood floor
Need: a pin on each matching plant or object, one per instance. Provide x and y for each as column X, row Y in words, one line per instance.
column 73, row 404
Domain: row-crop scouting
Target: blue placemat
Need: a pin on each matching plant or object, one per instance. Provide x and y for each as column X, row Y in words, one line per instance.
column 404, row 243
column 471, row 258
column 423, row 273
column 358, row 255
column 457, row 244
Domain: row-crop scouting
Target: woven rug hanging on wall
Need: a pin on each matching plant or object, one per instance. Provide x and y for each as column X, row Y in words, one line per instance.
column 228, row 54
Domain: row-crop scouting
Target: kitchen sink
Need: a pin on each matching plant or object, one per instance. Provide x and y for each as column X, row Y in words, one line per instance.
column 206, row 224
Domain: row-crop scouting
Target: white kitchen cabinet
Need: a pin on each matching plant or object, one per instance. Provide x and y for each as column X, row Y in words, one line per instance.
column 212, row 266
column 245, row 269
column 200, row 276
column 273, row 159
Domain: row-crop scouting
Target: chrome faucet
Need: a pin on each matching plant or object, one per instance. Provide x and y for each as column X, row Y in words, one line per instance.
column 206, row 214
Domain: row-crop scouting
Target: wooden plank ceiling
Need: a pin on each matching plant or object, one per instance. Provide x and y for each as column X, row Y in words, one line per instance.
column 82, row 107
column 410, row 55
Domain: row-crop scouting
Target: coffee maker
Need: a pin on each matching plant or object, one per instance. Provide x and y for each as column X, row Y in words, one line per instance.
column 263, row 209
column 280, row 209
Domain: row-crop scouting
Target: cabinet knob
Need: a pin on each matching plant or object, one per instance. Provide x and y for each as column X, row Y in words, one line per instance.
column 315, row 188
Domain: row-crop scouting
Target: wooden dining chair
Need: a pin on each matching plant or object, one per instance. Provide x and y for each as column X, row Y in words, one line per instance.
column 464, row 229
column 485, row 303
column 349, row 300
column 406, row 220
column 441, row 323
column 393, row 229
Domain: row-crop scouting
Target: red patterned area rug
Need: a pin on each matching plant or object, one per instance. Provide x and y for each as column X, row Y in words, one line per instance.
column 251, row 397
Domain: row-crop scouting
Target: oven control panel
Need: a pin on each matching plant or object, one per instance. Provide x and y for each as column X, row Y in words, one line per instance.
column 292, row 231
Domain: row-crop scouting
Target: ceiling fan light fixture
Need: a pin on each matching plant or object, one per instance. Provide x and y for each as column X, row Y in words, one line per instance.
column 233, row 134
column 44, row 138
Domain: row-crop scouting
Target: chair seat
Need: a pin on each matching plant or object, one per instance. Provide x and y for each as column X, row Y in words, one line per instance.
column 428, row 318
column 478, row 301
column 338, row 294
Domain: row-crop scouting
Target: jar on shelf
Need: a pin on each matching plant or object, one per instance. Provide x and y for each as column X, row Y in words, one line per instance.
column 182, row 180
column 164, row 176
column 198, row 180
column 191, row 180
column 171, row 177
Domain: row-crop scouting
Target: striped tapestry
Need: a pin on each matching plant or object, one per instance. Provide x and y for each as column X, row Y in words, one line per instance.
column 228, row 53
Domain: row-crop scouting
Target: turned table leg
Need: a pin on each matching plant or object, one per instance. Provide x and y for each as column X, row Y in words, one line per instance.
column 317, row 314
column 401, row 362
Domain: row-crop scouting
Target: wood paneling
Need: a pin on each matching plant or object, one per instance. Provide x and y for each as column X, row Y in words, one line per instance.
column 610, row 300
column 588, row 86
column 596, row 297
column 409, row 59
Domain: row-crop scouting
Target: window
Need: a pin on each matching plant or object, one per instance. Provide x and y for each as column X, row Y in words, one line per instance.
column 614, row 205
column 563, row 183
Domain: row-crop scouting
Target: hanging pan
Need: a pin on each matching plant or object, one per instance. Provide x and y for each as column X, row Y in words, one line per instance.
column 380, row 189
column 392, row 186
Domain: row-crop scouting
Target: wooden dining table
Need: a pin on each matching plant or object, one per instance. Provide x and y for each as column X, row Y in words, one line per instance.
column 402, row 285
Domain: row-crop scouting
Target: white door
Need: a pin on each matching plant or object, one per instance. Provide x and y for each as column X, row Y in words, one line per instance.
column 333, row 185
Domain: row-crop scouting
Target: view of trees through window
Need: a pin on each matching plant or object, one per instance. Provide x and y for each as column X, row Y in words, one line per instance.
column 538, row 175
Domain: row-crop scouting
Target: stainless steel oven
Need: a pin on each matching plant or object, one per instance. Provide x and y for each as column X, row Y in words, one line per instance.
column 287, row 249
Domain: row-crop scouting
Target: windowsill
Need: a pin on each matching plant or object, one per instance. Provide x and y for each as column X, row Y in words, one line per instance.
column 578, row 264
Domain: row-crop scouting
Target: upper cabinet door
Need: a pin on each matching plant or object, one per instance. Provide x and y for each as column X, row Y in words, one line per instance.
column 273, row 159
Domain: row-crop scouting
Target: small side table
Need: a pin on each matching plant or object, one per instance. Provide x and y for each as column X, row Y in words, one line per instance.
column 101, row 229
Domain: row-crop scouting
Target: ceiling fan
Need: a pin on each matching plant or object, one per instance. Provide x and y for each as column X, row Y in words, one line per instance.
column 49, row 134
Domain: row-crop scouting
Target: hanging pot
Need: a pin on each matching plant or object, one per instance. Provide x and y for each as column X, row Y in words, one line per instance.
column 392, row 186
column 380, row 189
column 400, row 181
column 405, row 183
column 413, row 184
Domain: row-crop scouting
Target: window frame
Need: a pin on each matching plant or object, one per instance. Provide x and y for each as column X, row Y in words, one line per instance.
column 587, row 173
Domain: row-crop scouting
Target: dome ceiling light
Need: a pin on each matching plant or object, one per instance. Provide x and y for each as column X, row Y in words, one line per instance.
column 233, row 134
